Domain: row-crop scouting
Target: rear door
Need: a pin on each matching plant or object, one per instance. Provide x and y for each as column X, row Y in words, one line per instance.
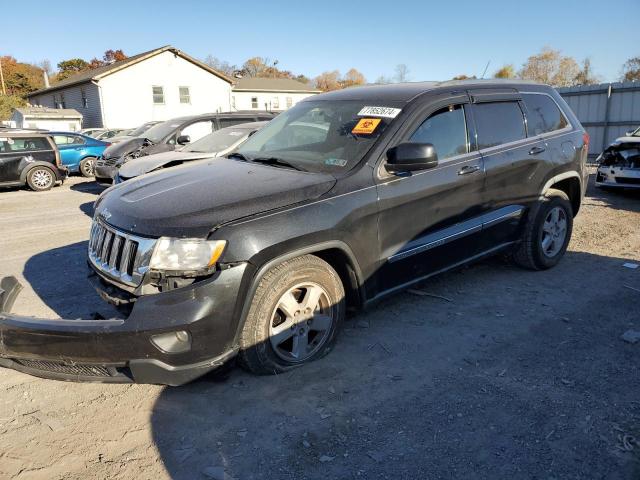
column 10, row 159
column 428, row 219
column 510, row 161
column 72, row 149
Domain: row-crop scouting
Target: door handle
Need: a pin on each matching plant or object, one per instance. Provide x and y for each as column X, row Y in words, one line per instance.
column 536, row 150
column 466, row 170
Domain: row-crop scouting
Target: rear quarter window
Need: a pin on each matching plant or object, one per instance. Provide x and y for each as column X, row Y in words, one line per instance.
column 498, row 123
column 543, row 114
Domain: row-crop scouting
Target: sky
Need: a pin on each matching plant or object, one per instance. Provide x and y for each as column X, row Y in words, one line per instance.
column 436, row 40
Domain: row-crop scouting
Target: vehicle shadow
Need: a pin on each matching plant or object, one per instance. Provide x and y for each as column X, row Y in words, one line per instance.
column 72, row 298
column 89, row 187
column 87, row 208
column 421, row 386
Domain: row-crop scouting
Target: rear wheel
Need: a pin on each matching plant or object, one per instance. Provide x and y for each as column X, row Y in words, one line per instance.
column 40, row 179
column 87, row 167
column 547, row 232
column 294, row 317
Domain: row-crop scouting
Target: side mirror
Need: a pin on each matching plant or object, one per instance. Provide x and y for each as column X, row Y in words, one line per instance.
column 183, row 140
column 409, row 157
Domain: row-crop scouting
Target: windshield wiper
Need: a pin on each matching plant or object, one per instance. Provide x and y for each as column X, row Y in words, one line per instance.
column 279, row 162
column 237, row 155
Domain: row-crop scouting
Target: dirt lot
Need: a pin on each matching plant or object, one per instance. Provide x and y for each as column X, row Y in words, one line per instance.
column 521, row 375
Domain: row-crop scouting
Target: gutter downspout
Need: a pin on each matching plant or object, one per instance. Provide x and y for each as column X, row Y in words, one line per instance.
column 95, row 82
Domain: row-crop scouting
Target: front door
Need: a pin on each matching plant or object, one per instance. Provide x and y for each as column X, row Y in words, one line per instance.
column 428, row 219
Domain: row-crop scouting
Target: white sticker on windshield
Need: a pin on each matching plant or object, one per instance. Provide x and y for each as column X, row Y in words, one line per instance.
column 386, row 112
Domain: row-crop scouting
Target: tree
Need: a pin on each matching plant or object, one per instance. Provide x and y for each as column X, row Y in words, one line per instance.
column 631, row 70
column 20, row 78
column 221, row 66
column 352, row 78
column 550, row 67
column 328, row 81
column 507, row 71
column 463, row 77
column 8, row 103
column 402, row 73
column 67, row 68
column 111, row 56
column 382, row 80
column 585, row 75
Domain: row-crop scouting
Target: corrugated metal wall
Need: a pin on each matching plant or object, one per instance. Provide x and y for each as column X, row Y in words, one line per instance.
column 607, row 111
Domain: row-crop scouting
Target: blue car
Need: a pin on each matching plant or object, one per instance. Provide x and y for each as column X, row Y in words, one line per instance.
column 78, row 152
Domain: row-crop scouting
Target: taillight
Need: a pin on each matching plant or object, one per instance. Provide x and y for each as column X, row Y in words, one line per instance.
column 108, row 144
column 585, row 139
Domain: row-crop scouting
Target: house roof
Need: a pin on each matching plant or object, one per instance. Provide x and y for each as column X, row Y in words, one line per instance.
column 42, row 112
column 260, row 84
column 100, row 72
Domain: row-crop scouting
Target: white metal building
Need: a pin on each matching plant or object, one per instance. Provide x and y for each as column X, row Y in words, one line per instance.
column 157, row 85
column 66, row 119
column 273, row 94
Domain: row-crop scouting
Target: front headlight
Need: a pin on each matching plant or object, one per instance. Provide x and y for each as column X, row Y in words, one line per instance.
column 186, row 254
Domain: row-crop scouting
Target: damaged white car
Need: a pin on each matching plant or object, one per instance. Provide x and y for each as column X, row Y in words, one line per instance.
column 619, row 164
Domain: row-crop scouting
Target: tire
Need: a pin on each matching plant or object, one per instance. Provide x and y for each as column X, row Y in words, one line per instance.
column 546, row 236
column 87, row 167
column 41, row 179
column 294, row 317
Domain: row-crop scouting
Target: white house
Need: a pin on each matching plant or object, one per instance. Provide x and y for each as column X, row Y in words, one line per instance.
column 66, row 119
column 274, row 94
column 157, row 85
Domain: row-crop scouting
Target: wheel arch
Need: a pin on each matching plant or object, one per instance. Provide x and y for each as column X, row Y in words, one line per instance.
column 569, row 183
column 336, row 253
column 32, row 165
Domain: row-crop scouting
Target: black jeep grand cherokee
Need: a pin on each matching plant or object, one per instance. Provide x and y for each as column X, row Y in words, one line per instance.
column 346, row 197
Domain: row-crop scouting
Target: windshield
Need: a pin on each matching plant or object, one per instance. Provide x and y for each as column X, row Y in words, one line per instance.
column 218, row 141
column 321, row 136
column 140, row 130
column 161, row 130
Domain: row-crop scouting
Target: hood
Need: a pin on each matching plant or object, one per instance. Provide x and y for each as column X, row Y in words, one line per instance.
column 145, row 164
column 123, row 148
column 191, row 200
column 627, row 140
column 119, row 138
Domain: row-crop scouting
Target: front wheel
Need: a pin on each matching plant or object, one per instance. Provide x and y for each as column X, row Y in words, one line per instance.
column 294, row 316
column 41, row 179
column 87, row 167
column 547, row 232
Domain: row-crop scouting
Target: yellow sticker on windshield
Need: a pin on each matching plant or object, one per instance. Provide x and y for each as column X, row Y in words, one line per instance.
column 366, row 126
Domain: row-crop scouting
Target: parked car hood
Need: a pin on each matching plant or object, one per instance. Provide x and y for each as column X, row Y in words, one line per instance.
column 139, row 166
column 191, row 200
column 126, row 147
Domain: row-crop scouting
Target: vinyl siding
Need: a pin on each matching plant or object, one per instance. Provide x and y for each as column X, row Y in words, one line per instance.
column 91, row 115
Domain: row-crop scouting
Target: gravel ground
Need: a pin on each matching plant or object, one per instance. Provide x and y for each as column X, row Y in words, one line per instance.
column 521, row 375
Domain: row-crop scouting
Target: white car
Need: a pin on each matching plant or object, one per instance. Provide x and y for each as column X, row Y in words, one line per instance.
column 619, row 164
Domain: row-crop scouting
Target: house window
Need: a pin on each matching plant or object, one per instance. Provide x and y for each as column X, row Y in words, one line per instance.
column 58, row 101
column 185, row 97
column 233, row 102
column 85, row 102
column 275, row 103
column 158, row 95
column 254, row 102
column 289, row 102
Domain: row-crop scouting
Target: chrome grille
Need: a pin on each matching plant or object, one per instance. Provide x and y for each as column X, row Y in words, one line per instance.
column 118, row 255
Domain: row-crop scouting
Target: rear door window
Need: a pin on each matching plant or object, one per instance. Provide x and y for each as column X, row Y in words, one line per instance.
column 446, row 130
column 231, row 121
column 543, row 114
column 498, row 123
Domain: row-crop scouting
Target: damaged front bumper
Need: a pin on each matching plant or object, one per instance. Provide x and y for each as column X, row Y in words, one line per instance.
column 168, row 338
column 611, row 176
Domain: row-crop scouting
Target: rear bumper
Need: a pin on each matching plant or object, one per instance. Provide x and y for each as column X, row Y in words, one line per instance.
column 121, row 349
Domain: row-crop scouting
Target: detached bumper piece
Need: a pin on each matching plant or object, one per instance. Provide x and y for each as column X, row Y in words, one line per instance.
column 138, row 348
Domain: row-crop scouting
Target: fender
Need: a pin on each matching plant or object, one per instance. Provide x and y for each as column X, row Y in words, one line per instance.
column 253, row 285
column 29, row 165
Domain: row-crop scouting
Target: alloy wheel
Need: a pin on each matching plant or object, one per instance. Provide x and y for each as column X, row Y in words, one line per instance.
column 42, row 178
column 301, row 322
column 554, row 232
